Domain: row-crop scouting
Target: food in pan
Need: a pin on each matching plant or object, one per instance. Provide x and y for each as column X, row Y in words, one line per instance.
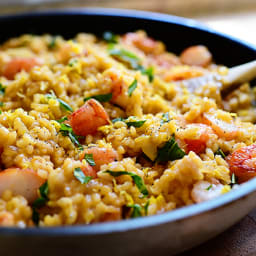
column 103, row 129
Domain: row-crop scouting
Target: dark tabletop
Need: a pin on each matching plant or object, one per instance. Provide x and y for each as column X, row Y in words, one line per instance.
column 239, row 240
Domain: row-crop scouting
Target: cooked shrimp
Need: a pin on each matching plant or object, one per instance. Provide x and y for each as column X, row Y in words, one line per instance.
column 223, row 128
column 143, row 42
column 16, row 65
column 87, row 119
column 199, row 145
column 204, row 191
column 6, row 219
column 100, row 156
column 197, row 55
column 24, row 182
column 89, row 171
column 166, row 60
column 242, row 163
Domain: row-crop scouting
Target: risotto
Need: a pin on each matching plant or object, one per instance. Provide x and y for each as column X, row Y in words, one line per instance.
column 103, row 129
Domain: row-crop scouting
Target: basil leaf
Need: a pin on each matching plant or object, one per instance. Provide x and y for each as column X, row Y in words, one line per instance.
column 165, row 118
column 221, row 153
column 209, row 187
column 170, row 151
column 233, row 180
column 35, row 216
column 136, row 210
column 136, row 124
column 132, row 87
column 110, row 37
column 64, row 105
column 118, row 119
column 63, row 119
column 2, row 89
column 146, row 208
column 89, row 159
column 52, row 44
column 39, row 202
column 125, row 56
column 66, row 130
column 72, row 62
column 148, row 72
column 78, row 173
column 101, row 97
column 136, row 179
column 44, row 190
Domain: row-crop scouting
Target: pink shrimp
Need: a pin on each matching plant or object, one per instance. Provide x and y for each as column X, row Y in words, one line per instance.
column 100, row 156
column 16, row 65
column 24, row 182
column 87, row 119
column 197, row 55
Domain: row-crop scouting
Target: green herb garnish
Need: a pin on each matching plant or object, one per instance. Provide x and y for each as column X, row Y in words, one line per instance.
column 149, row 72
column 89, row 159
column 110, row 37
column 52, row 44
column 170, row 151
column 63, row 119
column 2, row 89
column 220, row 152
column 1, row 104
column 165, row 118
column 78, row 173
column 101, row 97
column 62, row 103
column 136, row 210
column 72, row 62
column 208, row 188
column 66, row 130
column 136, row 124
column 118, row 119
column 40, row 202
column 136, row 178
column 126, row 56
column 146, row 208
column 132, row 87
column 233, row 180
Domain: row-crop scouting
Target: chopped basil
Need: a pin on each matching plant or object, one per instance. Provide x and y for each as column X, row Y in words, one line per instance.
column 132, row 87
column 110, row 37
column 209, row 187
column 78, row 173
column 2, row 89
column 52, row 43
column 63, row 119
column 165, row 118
column 62, row 103
column 136, row 124
column 66, row 130
column 149, row 72
column 233, row 180
column 40, row 202
column 136, row 210
column 89, row 159
column 146, row 208
column 35, row 216
column 125, row 56
column 1, row 104
column 170, row 151
column 118, row 119
column 136, row 178
column 72, row 62
column 101, row 97
column 220, row 152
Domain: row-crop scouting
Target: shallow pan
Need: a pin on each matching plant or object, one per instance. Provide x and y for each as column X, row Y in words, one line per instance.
column 165, row 234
